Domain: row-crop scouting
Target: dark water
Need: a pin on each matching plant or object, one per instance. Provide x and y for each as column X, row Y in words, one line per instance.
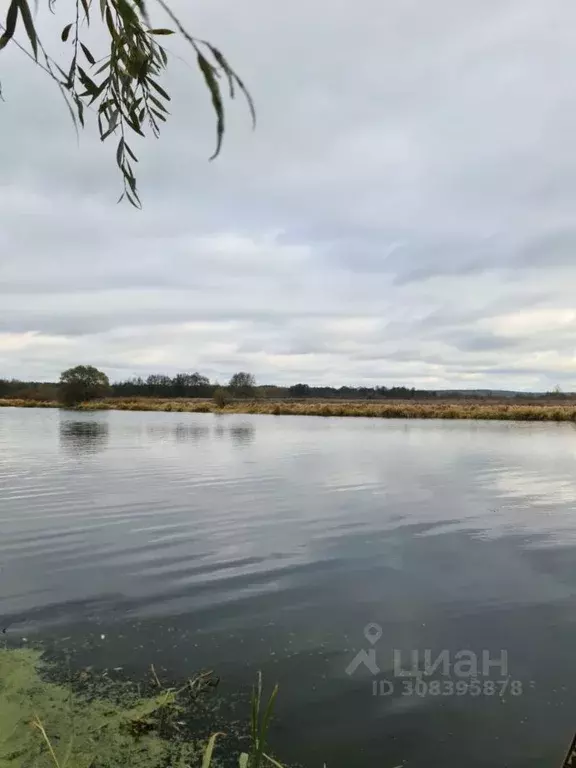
column 246, row 543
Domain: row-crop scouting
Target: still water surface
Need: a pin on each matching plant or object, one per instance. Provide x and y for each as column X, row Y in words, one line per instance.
column 254, row 542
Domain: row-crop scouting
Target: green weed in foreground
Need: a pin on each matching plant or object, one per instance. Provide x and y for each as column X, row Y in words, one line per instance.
column 48, row 725
column 259, row 726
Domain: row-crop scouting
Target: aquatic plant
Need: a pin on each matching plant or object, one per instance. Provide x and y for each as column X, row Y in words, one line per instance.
column 54, row 725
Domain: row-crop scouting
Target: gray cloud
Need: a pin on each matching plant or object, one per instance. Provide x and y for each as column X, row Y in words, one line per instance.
column 403, row 213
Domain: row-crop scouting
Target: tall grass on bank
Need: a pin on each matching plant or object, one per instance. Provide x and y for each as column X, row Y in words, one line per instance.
column 499, row 411
column 18, row 402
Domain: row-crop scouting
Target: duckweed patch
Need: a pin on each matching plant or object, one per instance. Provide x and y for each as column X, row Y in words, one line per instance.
column 50, row 724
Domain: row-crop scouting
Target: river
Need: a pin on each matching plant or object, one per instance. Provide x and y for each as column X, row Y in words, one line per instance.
column 291, row 544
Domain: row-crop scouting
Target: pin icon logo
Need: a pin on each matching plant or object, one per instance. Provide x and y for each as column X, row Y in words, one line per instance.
column 372, row 633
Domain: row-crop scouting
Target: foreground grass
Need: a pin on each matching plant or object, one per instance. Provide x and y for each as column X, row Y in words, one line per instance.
column 499, row 411
column 51, row 725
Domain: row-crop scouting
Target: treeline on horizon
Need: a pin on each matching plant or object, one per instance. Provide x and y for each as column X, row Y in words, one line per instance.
column 195, row 385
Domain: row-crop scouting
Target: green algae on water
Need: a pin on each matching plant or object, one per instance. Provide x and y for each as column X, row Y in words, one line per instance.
column 50, row 725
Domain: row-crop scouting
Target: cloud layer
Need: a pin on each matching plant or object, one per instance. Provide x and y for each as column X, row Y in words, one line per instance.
column 404, row 212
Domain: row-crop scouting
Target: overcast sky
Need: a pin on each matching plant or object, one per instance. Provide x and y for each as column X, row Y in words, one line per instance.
column 405, row 212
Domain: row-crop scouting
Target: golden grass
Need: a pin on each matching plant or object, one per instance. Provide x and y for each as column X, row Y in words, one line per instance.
column 501, row 410
column 18, row 402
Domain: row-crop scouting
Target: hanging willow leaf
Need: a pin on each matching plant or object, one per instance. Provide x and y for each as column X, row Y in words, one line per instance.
column 160, row 31
column 143, row 10
column 158, row 103
column 127, row 13
column 159, row 115
column 209, row 76
column 120, row 152
column 29, row 26
column 132, row 155
column 225, row 66
column 65, row 32
column 233, row 78
column 160, row 90
column 86, row 6
column 87, row 82
column 87, row 53
column 80, row 110
column 10, row 25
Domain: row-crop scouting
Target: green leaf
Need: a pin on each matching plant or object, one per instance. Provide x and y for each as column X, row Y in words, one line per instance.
column 134, row 125
column 99, row 90
column 160, row 31
column 86, row 6
column 232, row 76
column 248, row 98
column 158, row 103
column 127, row 13
column 112, row 123
column 66, row 32
column 134, row 199
column 225, row 66
column 111, row 27
column 207, row 759
column 120, row 153
column 10, row 25
column 160, row 90
column 159, row 115
column 29, row 26
column 89, row 84
column 243, row 760
column 87, row 53
column 209, row 76
column 80, row 108
column 104, row 66
column 105, row 104
column 143, row 10
column 72, row 72
column 132, row 155
column 130, row 181
column 154, row 125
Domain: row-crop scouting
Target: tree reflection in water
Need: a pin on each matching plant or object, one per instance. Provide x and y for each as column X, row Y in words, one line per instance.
column 84, row 436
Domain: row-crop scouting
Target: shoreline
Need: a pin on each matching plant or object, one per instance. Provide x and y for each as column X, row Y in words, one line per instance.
column 500, row 411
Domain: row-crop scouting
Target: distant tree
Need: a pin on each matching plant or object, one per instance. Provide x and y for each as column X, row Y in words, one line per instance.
column 159, row 385
column 299, row 390
column 190, row 385
column 242, row 384
column 82, row 383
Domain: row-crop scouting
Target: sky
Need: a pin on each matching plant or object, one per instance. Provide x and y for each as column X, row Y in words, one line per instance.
column 403, row 214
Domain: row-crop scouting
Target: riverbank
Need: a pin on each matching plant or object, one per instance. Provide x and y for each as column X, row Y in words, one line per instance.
column 495, row 411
